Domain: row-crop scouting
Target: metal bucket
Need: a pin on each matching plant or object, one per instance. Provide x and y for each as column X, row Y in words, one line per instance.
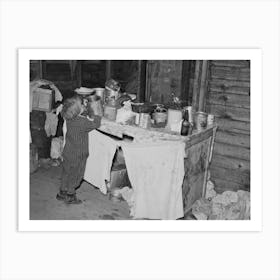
column 110, row 112
column 201, row 121
column 100, row 92
column 145, row 120
column 95, row 106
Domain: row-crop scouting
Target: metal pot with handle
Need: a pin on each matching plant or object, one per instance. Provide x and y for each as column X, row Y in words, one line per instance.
column 160, row 115
column 94, row 105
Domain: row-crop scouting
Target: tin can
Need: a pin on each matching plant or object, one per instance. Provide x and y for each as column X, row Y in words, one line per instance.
column 144, row 120
column 210, row 119
column 94, row 105
column 190, row 114
column 137, row 118
column 201, row 121
column 110, row 112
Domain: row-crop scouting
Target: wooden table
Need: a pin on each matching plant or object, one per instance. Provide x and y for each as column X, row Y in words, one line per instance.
column 198, row 153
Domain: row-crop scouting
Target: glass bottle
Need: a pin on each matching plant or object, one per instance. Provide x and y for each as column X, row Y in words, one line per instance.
column 185, row 128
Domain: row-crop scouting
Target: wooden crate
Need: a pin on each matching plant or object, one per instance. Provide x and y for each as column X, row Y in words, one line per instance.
column 198, row 154
column 199, row 149
column 43, row 100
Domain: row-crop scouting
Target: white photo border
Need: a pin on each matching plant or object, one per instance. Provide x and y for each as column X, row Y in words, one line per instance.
column 24, row 57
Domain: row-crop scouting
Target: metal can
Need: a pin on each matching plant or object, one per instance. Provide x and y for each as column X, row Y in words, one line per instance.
column 210, row 119
column 201, row 121
column 110, row 112
column 137, row 118
column 144, row 120
column 190, row 114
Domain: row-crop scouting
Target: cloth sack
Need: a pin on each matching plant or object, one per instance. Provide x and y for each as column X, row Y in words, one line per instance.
column 56, row 147
column 51, row 124
column 156, row 172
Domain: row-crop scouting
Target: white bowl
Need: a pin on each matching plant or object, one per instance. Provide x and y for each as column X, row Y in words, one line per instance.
column 84, row 90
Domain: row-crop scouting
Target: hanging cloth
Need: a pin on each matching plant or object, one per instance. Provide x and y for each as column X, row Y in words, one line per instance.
column 51, row 124
column 101, row 153
column 156, row 172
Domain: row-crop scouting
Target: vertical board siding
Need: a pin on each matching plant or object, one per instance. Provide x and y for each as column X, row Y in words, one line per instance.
column 164, row 78
column 228, row 98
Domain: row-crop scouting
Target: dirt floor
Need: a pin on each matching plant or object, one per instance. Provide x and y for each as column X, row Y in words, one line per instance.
column 44, row 185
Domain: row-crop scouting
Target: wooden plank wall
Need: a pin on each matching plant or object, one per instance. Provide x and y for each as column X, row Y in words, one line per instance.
column 228, row 98
column 163, row 78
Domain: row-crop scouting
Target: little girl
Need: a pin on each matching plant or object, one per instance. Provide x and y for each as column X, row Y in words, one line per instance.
column 75, row 151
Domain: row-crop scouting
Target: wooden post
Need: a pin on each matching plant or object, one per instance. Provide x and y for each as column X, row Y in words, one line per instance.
column 185, row 80
column 108, row 69
column 208, row 161
column 203, row 86
column 148, row 82
column 79, row 73
column 40, row 69
column 141, row 80
column 196, row 85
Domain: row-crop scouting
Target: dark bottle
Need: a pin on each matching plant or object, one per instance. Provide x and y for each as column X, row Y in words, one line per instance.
column 186, row 126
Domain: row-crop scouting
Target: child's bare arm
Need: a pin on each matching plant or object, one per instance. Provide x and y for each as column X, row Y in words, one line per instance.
column 92, row 123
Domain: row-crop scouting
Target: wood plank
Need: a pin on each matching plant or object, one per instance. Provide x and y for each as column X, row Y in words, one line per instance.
column 108, row 69
column 233, row 126
column 229, row 75
column 230, row 163
column 233, row 100
column 230, row 69
column 220, row 88
column 196, row 84
column 228, row 83
column 192, row 190
column 223, row 185
column 186, row 80
column 231, row 175
column 142, row 65
column 233, row 138
column 228, row 112
column 231, row 63
column 231, row 151
column 196, row 169
column 198, row 137
column 203, row 86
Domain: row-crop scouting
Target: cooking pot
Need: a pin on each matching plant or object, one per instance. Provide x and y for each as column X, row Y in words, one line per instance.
column 94, row 105
column 160, row 115
column 100, row 92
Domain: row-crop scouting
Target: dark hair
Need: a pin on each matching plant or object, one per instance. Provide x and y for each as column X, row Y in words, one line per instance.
column 71, row 108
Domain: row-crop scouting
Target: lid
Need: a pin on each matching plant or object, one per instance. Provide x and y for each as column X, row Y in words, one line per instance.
column 84, row 90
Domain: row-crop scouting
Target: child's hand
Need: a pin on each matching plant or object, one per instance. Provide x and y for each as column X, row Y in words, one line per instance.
column 104, row 121
column 90, row 119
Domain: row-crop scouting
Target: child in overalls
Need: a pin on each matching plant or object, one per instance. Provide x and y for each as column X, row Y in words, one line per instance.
column 75, row 151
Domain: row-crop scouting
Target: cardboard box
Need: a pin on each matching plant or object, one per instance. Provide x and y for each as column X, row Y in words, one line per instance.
column 43, row 100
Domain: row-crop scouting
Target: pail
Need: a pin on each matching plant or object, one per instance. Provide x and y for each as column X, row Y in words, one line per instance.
column 95, row 105
column 160, row 115
column 110, row 112
column 201, row 120
column 145, row 120
column 100, row 92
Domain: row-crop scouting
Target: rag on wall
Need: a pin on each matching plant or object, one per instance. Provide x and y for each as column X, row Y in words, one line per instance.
column 102, row 150
column 57, row 93
column 156, row 172
column 51, row 124
column 56, row 147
